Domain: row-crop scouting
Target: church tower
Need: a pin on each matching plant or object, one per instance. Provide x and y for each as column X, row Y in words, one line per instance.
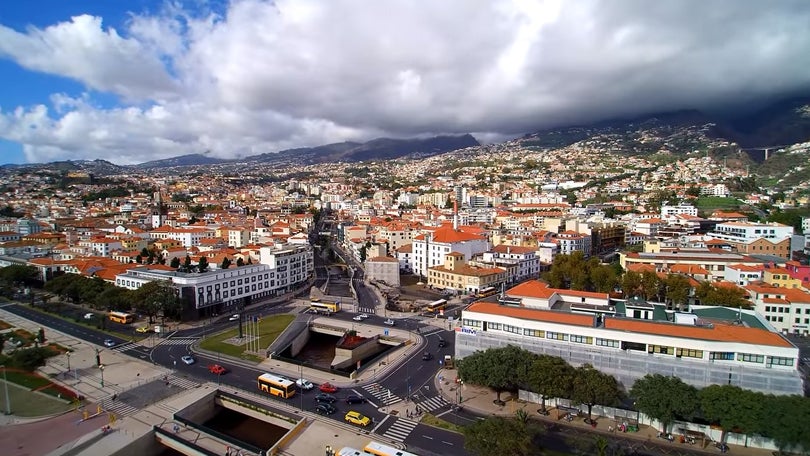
column 159, row 211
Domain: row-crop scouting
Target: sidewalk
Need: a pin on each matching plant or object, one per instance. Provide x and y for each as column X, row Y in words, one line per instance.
column 479, row 400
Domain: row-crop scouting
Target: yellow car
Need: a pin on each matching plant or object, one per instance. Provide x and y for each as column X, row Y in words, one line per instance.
column 357, row 418
column 143, row 329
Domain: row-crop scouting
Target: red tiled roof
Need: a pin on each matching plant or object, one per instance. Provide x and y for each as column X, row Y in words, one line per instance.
column 550, row 316
column 718, row 332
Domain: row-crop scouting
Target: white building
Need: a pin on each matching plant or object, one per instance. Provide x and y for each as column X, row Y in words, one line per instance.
column 189, row 236
column 745, row 232
column 429, row 249
column 601, row 334
column 680, row 209
column 383, row 269
column 571, row 241
column 293, row 263
column 743, row 274
column 521, row 263
column 787, row 309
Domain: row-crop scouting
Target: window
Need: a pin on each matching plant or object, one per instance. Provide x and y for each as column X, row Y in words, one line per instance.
column 722, row 356
column 512, row 329
column 495, row 326
column 534, row 333
column 689, row 353
column 780, row 361
column 556, row 336
column 664, row 350
column 749, row 358
column 607, row 343
column 581, row 339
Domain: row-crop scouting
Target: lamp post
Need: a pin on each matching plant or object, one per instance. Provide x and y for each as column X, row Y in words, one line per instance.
column 638, row 415
column 301, row 381
column 68, row 360
column 5, row 385
column 101, row 369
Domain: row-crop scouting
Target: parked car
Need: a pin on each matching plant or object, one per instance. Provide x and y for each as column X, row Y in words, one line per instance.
column 304, row 384
column 389, row 322
column 109, row 343
column 325, row 408
column 355, row 399
column 357, row 318
column 357, row 418
column 216, row 369
column 323, row 397
column 233, row 317
column 328, row 388
column 89, row 316
column 188, row 359
column 426, row 356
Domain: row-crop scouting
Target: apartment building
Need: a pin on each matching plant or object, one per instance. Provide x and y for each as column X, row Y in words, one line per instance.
column 521, row 263
column 458, row 276
column 786, row 309
column 755, row 238
column 429, row 249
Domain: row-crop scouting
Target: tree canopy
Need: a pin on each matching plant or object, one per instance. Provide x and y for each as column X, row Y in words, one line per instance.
column 665, row 398
column 497, row 436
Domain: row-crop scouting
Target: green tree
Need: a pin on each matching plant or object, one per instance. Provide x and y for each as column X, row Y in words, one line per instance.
column 187, row 264
column 631, row 283
column 17, row 274
column 115, row 298
column 226, row 263
column 175, row 263
column 591, row 387
column 502, row 369
column 651, row 285
column 202, row 264
column 240, row 262
column 29, row 359
column 603, row 278
column 665, row 398
column 784, row 419
column 155, row 297
column 731, row 407
column 497, row 436
column 550, row 376
column 677, row 290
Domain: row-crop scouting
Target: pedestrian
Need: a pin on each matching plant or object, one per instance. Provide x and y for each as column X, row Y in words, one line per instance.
column 228, row 450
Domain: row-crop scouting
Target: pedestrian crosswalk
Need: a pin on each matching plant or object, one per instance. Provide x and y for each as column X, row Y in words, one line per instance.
column 383, row 395
column 183, row 382
column 179, row 341
column 125, row 347
column 119, row 409
column 400, row 430
column 368, row 310
column 433, row 403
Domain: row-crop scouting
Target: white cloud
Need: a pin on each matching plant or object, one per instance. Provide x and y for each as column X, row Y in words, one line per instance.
column 264, row 76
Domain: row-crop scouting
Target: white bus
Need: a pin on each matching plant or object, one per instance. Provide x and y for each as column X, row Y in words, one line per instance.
column 378, row 449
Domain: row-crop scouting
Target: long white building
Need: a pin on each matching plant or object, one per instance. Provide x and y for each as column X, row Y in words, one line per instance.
column 429, row 249
column 630, row 339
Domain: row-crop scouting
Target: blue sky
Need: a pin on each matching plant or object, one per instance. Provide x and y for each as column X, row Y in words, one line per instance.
column 133, row 81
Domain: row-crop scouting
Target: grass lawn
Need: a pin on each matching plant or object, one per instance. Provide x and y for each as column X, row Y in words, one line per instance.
column 710, row 203
column 28, row 380
column 432, row 420
column 26, row 403
column 269, row 330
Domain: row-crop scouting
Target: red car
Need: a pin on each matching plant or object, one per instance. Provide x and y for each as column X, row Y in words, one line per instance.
column 328, row 388
column 216, row 369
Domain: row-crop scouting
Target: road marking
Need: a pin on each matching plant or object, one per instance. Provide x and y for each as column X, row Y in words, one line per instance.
column 448, row 443
column 381, row 423
column 427, row 437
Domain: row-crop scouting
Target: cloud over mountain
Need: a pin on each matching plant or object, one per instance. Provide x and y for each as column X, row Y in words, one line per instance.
column 259, row 77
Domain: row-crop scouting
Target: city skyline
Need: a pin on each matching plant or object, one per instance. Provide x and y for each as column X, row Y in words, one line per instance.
column 152, row 80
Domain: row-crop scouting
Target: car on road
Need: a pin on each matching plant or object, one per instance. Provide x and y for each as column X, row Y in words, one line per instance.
column 109, row 343
column 188, row 359
column 89, row 316
column 357, row 418
column 323, row 397
column 355, row 399
column 359, row 317
column 442, row 342
column 233, row 317
column 328, row 388
column 390, row 322
column 304, row 384
column 216, row 369
column 143, row 329
column 325, row 408
column 426, row 356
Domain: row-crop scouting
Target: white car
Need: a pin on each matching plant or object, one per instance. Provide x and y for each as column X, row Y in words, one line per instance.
column 234, row 317
column 304, row 384
column 389, row 322
column 188, row 359
column 89, row 316
column 360, row 317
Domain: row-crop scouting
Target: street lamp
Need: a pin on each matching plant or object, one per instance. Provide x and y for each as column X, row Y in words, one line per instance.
column 101, row 368
column 5, row 384
column 68, row 360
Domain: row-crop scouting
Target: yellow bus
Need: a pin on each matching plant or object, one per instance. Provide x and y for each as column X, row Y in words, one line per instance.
column 484, row 292
column 436, row 306
column 276, row 386
column 324, row 306
column 379, row 449
column 349, row 451
column 121, row 317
